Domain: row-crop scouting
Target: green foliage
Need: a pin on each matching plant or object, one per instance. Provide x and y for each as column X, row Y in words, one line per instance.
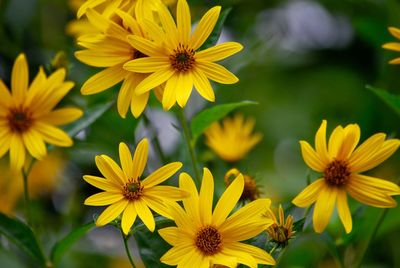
column 62, row 246
column 215, row 34
column 22, row 235
column 208, row 116
column 393, row 101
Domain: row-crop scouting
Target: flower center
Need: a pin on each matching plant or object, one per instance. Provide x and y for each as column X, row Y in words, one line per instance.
column 208, row 240
column 133, row 190
column 337, row 173
column 279, row 234
column 19, row 119
column 183, row 58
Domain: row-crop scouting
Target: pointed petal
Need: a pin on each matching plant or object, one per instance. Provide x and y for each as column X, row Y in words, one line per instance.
column 205, row 27
column 161, row 174
column 126, row 92
column 206, row 197
column 145, row 214
column 169, row 95
column 388, row 187
column 34, row 144
column 158, row 206
column 351, row 137
column 128, row 218
column 367, row 149
column 154, row 80
column 138, row 103
column 344, row 211
column 169, row 192
column 184, row 88
column 5, row 99
column 219, row 52
column 183, row 21
column 102, row 183
column 324, row 207
column 53, row 135
column 148, row 64
column 126, row 160
column 395, row 32
column 111, row 212
column 104, row 80
column 17, row 152
column 140, row 158
column 258, row 254
column 320, row 144
column 20, row 78
column 217, row 72
column 190, row 204
column 310, row 194
column 335, row 141
column 170, row 234
column 202, row 85
column 146, row 47
column 62, row 116
column 103, row 199
column 110, row 172
column 228, row 201
column 311, row 158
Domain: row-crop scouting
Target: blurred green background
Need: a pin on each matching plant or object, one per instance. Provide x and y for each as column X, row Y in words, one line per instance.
column 304, row 61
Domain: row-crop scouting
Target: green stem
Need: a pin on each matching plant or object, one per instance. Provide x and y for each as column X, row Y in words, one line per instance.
column 128, row 253
column 273, row 249
column 187, row 136
column 364, row 246
column 157, row 144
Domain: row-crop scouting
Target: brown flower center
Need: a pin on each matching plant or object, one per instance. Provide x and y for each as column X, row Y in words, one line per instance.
column 183, row 58
column 279, row 234
column 208, row 240
column 133, row 190
column 19, row 119
column 337, row 173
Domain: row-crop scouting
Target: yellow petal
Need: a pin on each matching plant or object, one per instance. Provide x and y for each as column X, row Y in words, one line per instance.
column 205, row 27
column 96, row 59
column 344, row 211
column 147, row 48
column 5, row 99
column 103, row 199
column 311, row 158
column 228, row 201
column 147, row 64
column 20, row 78
column 172, row 256
column 190, row 204
column 4, row 143
column 206, row 197
column 241, row 256
column 110, row 172
column 324, row 207
column 62, row 116
column 320, row 144
column 169, row 95
column 34, row 144
column 183, row 21
column 170, row 234
column 161, row 174
column 351, row 137
column 128, row 218
column 102, row 183
column 164, row 191
column 258, row 254
column 392, row 46
column 126, row 92
column 388, row 187
column 104, row 80
column 168, row 24
column 145, row 214
column 335, row 141
column 140, row 158
column 202, row 85
column 395, row 61
column 154, row 80
column 217, row 72
column 184, row 87
column 53, row 135
column 126, row 160
column 17, row 152
column 395, row 32
column 158, row 206
column 111, row 212
column 219, row 52
column 365, row 151
column 138, row 103
column 310, row 194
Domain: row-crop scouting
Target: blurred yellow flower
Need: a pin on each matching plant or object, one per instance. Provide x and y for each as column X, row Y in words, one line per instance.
column 280, row 231
column 27, row 118
column 174, row 57
column 125, row 192
column 232, row 139
column 395, row 46
column 250, row 190
column 205, row 237
column 341, row 162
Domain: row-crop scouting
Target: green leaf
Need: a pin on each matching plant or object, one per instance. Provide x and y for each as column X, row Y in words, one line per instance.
column 208, row 116
column 390, row 99
column 23, row 236
column 215, row 34
column 90, row 116
column 63, row 245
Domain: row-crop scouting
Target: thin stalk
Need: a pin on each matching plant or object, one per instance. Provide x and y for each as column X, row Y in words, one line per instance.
column 365, row 245
column 128, row 253
column 25, row 175
column 187, row 136
column 153, row 132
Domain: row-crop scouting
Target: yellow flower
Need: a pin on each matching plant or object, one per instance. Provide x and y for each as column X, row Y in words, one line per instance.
column 281, row 231
column 174, row 57
column 11, row 188
column 125, row 192
column 27, row 118
column 204, row 237
column 110, row 49
column 250, row 190
column 395, row 46
column 232, row 139
column 341, row 162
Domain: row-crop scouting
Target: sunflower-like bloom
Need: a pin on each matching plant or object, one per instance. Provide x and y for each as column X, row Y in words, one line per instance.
column 232, row 139
column 27, row 118
column 124, row 191
column 203, row 237
column 395, row 46
column 110, row 49
column 280, row 231
column 174, row 57
column 251, row 190
column 340, row 164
